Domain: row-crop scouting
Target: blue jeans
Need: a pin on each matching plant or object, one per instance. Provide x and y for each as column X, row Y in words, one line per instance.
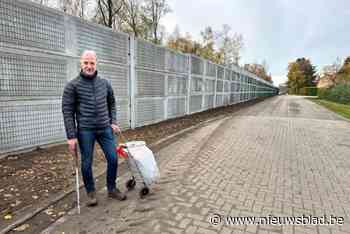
column 106, row 140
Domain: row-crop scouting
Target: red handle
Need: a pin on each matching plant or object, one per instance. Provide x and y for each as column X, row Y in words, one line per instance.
column 121, row 152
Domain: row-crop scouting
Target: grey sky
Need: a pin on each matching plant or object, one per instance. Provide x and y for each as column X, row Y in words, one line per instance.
column 278, row 31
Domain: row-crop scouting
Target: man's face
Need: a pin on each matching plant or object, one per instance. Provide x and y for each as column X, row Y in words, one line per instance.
column 88, row 63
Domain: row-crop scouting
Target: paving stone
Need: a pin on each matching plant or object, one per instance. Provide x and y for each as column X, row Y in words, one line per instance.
column 280, row 157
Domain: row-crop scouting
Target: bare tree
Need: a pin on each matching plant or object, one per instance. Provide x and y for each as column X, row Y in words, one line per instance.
column 132, row 16
column 107, row 11
column 71, row 7
column 154, row 10
column 333, row 68
column 84, row 6
column 229, row 45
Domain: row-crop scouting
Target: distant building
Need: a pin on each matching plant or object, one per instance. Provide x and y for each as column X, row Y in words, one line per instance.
column 283, row 89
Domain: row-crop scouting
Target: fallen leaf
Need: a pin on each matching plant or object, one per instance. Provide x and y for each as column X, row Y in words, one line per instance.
column 22, row 227
column 17, row 203
column 49, row 211
column 13, row 158
column 61, row 213
column 35, row 197
column 8, row 217
column 8, row 195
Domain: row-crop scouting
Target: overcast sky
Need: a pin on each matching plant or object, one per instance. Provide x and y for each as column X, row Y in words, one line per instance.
column 278, row 31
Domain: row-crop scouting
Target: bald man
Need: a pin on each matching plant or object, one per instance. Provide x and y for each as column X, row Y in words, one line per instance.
column 89, row 114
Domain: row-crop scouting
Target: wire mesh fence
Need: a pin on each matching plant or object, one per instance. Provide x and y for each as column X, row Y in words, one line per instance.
column 39, row 54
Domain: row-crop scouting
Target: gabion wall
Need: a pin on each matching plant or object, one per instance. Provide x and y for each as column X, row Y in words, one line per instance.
column 39, row 54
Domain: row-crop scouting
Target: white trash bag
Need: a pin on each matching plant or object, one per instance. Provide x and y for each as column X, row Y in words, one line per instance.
column 144, row 160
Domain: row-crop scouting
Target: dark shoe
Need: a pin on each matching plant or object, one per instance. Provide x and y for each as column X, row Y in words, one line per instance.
column 116, row 194
column 92, row 200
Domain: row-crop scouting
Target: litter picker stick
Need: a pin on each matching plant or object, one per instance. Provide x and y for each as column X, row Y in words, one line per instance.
column 77, row 178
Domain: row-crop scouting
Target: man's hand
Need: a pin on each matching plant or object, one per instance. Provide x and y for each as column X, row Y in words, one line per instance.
column 72, row 145
column 115, row 128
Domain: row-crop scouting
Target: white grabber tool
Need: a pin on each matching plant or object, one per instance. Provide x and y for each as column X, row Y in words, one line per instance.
column 77, row 178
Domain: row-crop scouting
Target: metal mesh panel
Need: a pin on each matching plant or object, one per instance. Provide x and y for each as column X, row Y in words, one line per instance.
column 232, row 98
column 233, row 87
column 209, row 85
column 235, row 76
column 176, row 107
column 123, row 115
column 208, row 101
column 31, row 84
column 30, row 123
column 238, row 87
column 177, row 62
column 227, row 86
column 177, row 85
column 107, row 44
column 242, row 87
column 219, row 86
column 150, row 84
column 219, row 100
column 226, row 99
column 195, row 103
column 196, row 84
column 197, row 66
column 118, row 76
column 150, row 56
column 25, row 24
column 211, row 69
column 228, row 73
column 237, row 97
column 241, row 97
column 240, row 78
column 30, row 76
column 149, row 111
column 221, row 72
column 245, row 87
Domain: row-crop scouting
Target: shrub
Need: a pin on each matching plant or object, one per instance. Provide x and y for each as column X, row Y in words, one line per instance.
column 323, row 93
column 339, row 93
column 308, row 91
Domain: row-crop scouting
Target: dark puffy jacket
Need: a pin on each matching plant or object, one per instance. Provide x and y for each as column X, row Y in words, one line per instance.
column 89, row 102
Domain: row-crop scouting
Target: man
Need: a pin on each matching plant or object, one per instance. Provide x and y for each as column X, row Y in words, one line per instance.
column 88, row 100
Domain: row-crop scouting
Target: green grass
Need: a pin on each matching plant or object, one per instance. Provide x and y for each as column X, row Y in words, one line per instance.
column 341, row 109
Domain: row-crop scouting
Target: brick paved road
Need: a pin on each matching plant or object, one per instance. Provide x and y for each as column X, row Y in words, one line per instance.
column 283, row 157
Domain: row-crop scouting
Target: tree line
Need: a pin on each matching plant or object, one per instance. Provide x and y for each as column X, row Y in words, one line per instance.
column 302, row 76
column 142, row 18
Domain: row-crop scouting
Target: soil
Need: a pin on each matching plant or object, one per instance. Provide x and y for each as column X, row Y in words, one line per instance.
column 29, row 178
